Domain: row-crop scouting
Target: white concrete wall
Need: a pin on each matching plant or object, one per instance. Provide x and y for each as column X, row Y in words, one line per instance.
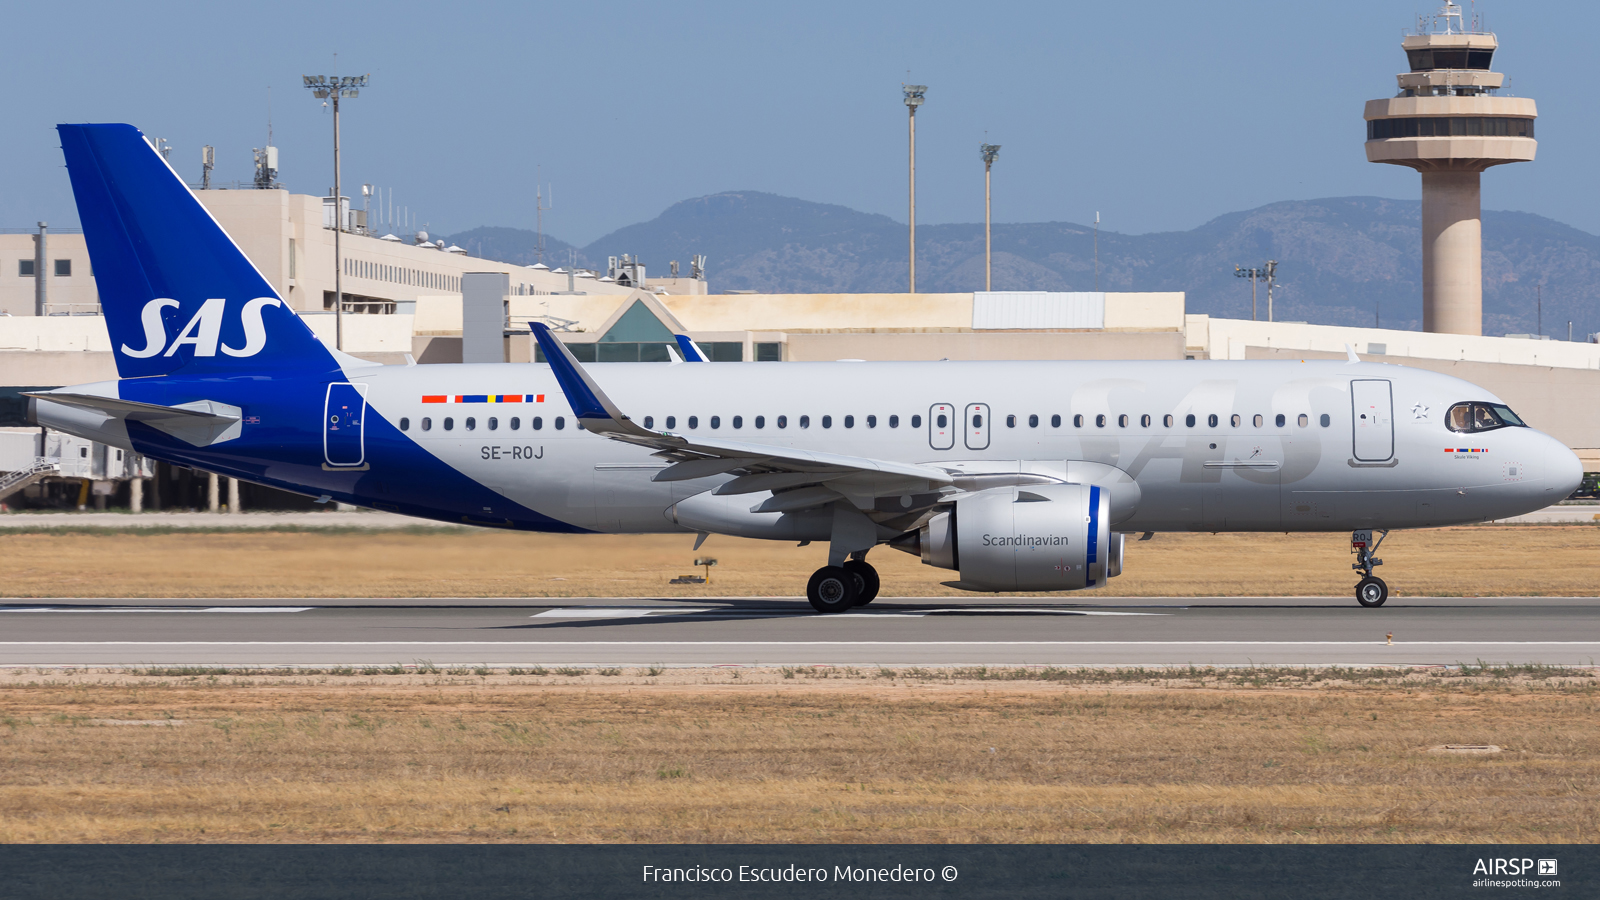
column 1228, row 339
column 56, row 333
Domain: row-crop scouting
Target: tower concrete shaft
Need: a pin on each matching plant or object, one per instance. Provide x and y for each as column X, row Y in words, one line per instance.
column 1449, row 125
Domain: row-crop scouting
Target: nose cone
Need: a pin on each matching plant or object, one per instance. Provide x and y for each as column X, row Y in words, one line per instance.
column 1564, row 471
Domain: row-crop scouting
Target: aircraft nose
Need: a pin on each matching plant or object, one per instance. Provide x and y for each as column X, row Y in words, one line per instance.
column 1563, row 471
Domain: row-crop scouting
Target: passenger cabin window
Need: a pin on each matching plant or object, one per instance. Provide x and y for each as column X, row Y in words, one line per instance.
column 405, row 424
column 1166, row 420
column 1033, row 421
column 694, row 421
column 1303, row 421
column 894, row 421
column 1100, row 420
column 1011, row 421
column 1236, row 420
column 943, row 421
column 1055, row 421
column 1077, row 421
column 538, row 423
column 1470, row 417
column 872, row 421
column 977, row 421
column 472, row 423
column 805, row 421
column 449, row 423
column 649, row 422
column 916, row 421
column 849, row 421
column 1281, row 420
column 827, row 421
column 1257, row 421
column 738, row 421
column 761, row 421
column 716, row 421
column 494, row 423
column 560, row 423
column 516, row 423
column 1188, row 420
column 1122, row 421
column 1211, row 420
column 783, row 421
column 1326, row 420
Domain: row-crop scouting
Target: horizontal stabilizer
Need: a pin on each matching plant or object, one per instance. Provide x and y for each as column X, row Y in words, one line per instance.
column 201, row 422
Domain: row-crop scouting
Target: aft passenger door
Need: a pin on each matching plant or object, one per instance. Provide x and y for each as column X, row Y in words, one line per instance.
column 976, row 422
column 1372, row 418
column 941, row 426
column 343, row 434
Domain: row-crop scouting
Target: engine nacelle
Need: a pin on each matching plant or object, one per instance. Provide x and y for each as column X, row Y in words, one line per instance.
column 1054, row 537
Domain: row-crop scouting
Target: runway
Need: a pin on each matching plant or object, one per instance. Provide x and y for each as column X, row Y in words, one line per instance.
column 1318, row 631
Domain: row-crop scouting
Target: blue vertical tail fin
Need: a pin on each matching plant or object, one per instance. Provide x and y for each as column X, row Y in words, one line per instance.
column 176, row 291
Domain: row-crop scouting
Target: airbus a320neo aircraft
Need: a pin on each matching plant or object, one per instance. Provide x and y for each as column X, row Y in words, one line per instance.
column 1021, row 476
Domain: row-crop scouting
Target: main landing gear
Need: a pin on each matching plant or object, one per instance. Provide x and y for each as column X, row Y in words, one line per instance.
column 1370, row 590
column 836, row 589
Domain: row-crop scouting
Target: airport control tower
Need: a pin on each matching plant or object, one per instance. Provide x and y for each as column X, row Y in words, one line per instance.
column 1448, row 123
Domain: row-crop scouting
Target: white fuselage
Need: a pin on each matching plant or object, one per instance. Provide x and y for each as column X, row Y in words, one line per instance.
column 1330, row 466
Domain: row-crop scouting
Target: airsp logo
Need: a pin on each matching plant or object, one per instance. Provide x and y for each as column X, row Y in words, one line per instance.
column 204, row 331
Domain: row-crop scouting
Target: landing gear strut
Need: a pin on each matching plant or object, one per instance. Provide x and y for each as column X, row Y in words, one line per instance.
column 1370, row 590
column 866, row 580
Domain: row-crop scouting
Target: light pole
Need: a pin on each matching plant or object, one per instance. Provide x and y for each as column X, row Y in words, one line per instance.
column 1271, row 274
column 1254, row 275
column 335, row 87
column 989, row 152
column 913, row 94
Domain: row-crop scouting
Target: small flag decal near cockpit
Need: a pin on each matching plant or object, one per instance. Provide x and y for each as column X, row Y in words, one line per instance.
column 482, row 398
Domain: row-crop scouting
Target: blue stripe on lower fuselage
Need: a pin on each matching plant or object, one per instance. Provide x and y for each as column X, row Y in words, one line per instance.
column 282, row 447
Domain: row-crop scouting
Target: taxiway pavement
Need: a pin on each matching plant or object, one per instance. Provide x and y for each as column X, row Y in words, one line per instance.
column 1228, row 631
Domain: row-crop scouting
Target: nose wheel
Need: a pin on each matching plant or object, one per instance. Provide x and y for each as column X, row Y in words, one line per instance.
column 1371, row 591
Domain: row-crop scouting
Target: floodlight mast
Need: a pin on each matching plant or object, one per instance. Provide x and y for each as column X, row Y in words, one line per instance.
column 335, row 87
column 989, row 152
column 913, row 97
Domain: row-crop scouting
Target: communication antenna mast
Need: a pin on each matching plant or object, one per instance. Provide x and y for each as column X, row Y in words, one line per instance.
column 1097, row 251
column 208, row 161
column 539, row 207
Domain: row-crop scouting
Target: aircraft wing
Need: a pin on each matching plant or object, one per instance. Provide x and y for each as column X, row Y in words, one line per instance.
column 760, row 467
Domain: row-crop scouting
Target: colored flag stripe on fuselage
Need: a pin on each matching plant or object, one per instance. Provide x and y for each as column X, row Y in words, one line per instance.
column 482, row 398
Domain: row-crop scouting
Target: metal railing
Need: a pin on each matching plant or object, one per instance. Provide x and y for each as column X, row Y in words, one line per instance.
column 11, row 482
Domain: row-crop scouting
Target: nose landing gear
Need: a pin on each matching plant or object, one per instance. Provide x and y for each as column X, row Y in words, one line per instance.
column 1370, row 590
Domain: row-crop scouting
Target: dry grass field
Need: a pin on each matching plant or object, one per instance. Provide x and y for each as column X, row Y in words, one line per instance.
column 1479, row 560
column 869, row 756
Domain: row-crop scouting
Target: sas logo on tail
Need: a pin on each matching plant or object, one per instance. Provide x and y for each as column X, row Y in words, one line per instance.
column 204, row 331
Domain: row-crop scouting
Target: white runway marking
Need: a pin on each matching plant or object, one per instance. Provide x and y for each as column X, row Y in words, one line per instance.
column 530, row 644
column 160, row 609
column 599, row 612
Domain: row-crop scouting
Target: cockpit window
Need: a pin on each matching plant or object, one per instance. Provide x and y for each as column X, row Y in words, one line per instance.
column 1469, row 417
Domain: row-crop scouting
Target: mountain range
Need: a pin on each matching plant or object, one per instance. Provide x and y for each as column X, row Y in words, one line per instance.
column 1341, row 261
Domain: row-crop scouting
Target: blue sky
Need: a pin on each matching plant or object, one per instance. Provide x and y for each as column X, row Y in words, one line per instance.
column 1161, row 115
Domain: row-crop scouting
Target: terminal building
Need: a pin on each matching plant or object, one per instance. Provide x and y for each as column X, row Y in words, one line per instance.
column 403, row 303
